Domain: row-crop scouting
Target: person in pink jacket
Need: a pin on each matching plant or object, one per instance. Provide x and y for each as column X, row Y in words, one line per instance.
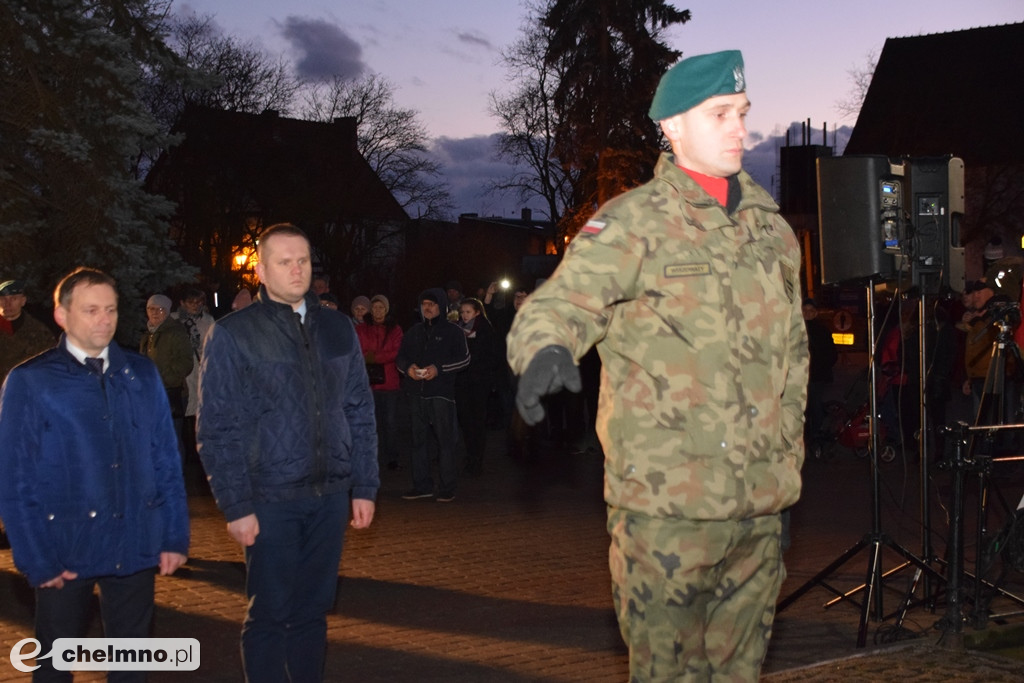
column 380, row 341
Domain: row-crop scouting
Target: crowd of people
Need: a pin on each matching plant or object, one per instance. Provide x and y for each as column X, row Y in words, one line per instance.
column 441, row 386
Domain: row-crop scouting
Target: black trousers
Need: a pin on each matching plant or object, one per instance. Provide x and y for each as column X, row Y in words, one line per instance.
column 126, row 611
column 471, row 408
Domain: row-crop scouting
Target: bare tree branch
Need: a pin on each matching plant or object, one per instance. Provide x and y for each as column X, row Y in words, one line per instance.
column 860, row 79
column 391, row 139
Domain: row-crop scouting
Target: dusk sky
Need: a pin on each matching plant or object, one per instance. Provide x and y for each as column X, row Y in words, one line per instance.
column 444, row 56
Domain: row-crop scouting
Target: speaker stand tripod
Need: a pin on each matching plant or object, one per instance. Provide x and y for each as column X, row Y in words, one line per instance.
column 990, row 426
column 874, row 541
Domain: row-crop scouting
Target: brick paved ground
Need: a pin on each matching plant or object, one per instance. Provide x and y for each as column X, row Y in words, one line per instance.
column 510, row 583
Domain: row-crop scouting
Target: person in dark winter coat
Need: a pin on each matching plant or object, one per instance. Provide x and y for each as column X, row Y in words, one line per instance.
column 21, row 335
column 473, row 386
column 432, row 353
column 287, row 436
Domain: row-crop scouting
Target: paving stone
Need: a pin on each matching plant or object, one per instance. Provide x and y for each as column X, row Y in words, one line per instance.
column 510, row 583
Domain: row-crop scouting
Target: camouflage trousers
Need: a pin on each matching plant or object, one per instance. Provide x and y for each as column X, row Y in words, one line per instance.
column 695, row 600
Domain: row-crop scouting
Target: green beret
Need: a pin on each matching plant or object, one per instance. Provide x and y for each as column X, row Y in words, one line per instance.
column 695, row 79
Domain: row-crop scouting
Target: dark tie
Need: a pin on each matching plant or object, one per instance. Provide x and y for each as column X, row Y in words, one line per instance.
column 302, row 328
column 95, row 366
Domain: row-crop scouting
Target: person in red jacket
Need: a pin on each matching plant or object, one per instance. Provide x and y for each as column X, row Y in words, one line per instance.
column 380, row 341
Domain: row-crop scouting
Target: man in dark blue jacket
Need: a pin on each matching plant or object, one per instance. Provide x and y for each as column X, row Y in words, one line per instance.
column 286, row 433
column 91, row 491
column 432, row 352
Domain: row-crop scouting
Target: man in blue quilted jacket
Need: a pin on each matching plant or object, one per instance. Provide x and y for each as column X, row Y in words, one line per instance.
column 287, row 436
column 91, row 492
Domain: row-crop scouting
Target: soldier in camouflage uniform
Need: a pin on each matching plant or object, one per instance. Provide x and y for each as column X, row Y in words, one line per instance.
column 689, row 288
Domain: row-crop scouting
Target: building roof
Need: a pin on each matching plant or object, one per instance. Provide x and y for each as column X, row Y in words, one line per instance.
column 283, row 165
column 953, row 93
column 525, row 222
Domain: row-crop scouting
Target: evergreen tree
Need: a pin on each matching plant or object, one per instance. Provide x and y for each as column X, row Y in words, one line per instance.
column 610, row 57
column 72, row 129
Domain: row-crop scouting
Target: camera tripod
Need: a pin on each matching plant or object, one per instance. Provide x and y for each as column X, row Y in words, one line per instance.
column 990, row 425
column 875, row 541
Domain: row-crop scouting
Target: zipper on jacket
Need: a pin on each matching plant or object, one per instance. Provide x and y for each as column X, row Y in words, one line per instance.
column 319, row 473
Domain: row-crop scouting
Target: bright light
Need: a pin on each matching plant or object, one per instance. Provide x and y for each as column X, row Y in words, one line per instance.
column 243, row 258
column 842, row 338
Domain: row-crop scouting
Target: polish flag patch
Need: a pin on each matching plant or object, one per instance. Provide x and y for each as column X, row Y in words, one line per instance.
column 593, row 227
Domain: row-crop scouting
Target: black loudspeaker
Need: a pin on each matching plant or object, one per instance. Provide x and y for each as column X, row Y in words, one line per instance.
column 851, row 214
column 799, row 178
column 935, row 206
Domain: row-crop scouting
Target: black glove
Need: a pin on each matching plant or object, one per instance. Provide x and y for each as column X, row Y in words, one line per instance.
column 550, row 371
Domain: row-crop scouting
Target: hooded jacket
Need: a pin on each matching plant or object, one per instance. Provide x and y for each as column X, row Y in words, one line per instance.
column 285, row 410
column 434, row 342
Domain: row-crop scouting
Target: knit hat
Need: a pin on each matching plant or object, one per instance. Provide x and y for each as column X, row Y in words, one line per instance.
column 994, row 249
column 160, row 301
column 360, row 301
column 383, row 299
column 695, row 79
column 429, row 295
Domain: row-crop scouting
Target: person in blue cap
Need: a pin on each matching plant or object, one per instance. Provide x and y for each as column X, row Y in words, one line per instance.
column 689, row 288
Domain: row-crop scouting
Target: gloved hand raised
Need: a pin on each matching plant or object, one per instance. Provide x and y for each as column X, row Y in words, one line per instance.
column 550, row 371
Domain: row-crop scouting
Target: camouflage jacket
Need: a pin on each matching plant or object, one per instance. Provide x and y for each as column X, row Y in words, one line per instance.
column 696, row 316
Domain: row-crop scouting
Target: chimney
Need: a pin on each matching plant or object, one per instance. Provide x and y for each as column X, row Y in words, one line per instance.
column 347, row 129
